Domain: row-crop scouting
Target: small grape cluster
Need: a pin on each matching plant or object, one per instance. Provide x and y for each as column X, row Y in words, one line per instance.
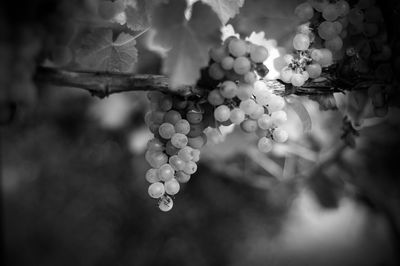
column 242, row 97
column 335, row 30
column 174, row 151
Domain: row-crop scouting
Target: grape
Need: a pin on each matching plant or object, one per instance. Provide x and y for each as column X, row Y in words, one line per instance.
column 196, row 153
column 335, row 44
column 177, row 163
column 278, row 117
column 258, row 54
column 166, row 104
column 156, row 159
column 249, row 126
column 194, row 117
column 154, row 128
column 258, row 112
column 297, row 80
column 156, row 190
column 217, row 53
column 356, row 16
column 215, row 98
column 264, row 122
column 216, row 72
column 172, row 117
column 157, row 117
column 260, row 89
column 198, row 142
column 155, row 145
column 286, row 74
column 301, row 42
column 241, row 65
column 179, row 104
column 244, row 91
column 182, row 177
column 222, row 113
column 165, row 204
column 344, row 21
column 182, row 126
column 237, row 116
column 195, row 130
column 172, row 186
column 170, row 149
column 152, row 175
column 304, row 11
column 338, row 26
column 148, row 120
column 166, row 130
column 327, row 30
column 288, row 59
column 314, row 70
column 276, row 103
column 316, row 55
column 342, row 7
column 330, row 12
column 250, row 77
column 264, row 145
column 265, row 98
column 227, row 63
column 326, row 59
column 237, row 47
column 166, row 172
column 261, row 132
column 228, row 89
column 190, row 168
column 179, row 140
column 186, row 154
column 248, row 106
column 280, row 135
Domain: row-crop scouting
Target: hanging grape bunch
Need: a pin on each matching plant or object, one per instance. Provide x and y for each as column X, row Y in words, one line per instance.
column 240, row 97
column 333, row 32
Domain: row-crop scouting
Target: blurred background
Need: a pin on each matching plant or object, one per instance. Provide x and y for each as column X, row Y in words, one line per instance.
column 72, row 174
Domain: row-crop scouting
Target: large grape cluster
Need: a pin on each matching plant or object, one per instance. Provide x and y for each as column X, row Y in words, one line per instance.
column 239, row 97
column 335, row 30
column 242, row 97
column 177, row 125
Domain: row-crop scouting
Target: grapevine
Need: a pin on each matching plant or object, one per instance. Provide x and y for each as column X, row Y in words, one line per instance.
column 209, row 80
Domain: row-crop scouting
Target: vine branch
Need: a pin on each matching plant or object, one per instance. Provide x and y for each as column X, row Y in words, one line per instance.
column 102, row 83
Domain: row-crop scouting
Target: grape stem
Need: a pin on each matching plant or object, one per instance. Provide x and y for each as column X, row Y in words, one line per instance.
column 103, row 83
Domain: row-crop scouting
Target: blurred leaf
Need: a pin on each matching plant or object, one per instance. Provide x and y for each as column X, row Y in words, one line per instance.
column 98, row 51
column 301, row 111
column 189, row 41
column 226, row 9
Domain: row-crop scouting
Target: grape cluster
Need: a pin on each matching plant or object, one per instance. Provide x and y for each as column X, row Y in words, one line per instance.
column 335, row 30
column 177, row 125
column 242, row 97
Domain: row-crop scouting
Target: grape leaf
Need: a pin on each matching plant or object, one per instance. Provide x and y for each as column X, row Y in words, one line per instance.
column 189, row 41
column 226, row 9
column 301, row 111
column 98, row 51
